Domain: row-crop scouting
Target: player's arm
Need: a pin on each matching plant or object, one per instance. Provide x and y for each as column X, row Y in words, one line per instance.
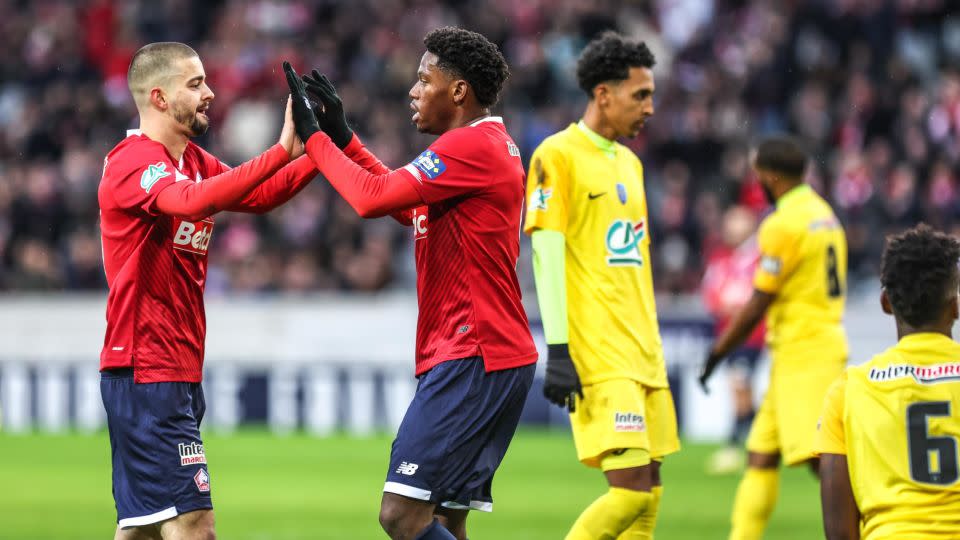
column 278, row 189
column 841, row 516
column 546, row 222
column 776, row 262
column 197, row 200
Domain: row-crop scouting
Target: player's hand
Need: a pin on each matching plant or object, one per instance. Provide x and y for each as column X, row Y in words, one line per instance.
column 562, row 384
column 303, row 117
column 330, row 117
column 288, row 135
column 709, row 365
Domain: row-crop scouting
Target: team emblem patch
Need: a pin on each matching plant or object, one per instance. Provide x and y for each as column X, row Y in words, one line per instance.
column 770, row 265
column 627, row 421
column 622, row 193
column 538, row 199
column 430, row 164
column 623, row 242
column 202, row 480
column 152, row 174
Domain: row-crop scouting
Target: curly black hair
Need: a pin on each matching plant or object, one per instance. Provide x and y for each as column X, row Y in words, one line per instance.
column 472, row 56
column 609, row 57
column 782, row 154
column 919, row 273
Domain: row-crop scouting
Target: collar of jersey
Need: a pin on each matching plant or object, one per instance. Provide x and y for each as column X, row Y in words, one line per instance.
column 608, row 147
column 924, row 340
column 792, row 194
column 497, row 119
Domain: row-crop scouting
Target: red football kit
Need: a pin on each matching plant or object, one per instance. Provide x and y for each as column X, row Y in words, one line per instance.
column 467, row 234
column 156, row 264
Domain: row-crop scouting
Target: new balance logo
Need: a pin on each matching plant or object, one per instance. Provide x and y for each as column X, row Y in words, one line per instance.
column 407, row 469
column 191, row 454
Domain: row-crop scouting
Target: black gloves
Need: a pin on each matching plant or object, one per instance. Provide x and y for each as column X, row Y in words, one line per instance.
column 303, row 117
column 710, row 364
column 331, row 118
column 562, row 384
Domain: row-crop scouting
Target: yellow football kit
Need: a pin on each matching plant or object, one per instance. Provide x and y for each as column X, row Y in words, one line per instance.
column 592, row 192
column 897, row 419
column 803, row 262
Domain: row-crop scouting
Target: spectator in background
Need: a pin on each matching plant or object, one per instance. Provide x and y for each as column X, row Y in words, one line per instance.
column 727, row 286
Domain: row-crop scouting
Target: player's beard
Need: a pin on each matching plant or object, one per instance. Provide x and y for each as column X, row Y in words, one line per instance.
column 187, row 117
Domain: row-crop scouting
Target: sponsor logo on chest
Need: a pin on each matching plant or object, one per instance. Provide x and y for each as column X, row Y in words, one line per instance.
column 627, row 421
column 193, row 237
column 623, row 242
column 192, row 454
column 419, row 224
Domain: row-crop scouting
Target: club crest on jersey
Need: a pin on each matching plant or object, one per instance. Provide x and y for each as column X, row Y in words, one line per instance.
column 430, row 164
column 202, row 480
column 627, row 421
column 193, row 237
column 191, row 454
column 770, row 265
column 152, row 174
column 623, row 242
column 622, row 193
column 538, row 199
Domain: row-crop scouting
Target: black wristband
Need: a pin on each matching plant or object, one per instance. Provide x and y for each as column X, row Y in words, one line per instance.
column 558, row 350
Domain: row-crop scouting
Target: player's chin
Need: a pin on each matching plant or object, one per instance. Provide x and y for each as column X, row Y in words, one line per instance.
column 199, row 126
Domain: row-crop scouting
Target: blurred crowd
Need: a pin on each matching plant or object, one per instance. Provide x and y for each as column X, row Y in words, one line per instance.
column 869, row 85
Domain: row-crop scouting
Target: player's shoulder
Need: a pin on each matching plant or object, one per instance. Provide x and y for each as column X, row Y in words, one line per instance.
column 559, row 145
column 135, row 152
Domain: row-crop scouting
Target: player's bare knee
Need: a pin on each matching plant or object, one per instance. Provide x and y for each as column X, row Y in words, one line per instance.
column 655, row 473
column 403, row 518
column 633, row 478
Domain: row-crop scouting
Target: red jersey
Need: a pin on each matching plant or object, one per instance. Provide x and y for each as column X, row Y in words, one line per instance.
column 728, row 285
column 156, row 264
column 467, row 244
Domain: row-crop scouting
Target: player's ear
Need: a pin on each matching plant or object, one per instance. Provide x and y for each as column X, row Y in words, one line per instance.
column 601, row 94
column 159, row 98
column 459, row 90
column 955, row 307
column 885, row 302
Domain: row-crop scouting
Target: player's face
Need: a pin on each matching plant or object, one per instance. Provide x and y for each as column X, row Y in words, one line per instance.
column 630, row 102
column 431, row 97
column 191, row 97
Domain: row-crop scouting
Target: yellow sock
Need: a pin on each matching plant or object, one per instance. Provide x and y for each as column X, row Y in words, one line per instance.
column 610, row 515
column 642, row 527
column 754, row 502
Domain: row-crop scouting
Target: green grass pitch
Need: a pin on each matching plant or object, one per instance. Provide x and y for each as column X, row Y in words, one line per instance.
column 270, row 487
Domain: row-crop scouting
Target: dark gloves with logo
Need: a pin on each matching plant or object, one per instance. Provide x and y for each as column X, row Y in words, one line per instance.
column 303, row 118
column 330, row 113
column 562, row 384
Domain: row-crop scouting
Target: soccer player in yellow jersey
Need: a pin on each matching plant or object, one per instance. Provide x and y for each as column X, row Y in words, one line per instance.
column 898, row 477
column 587, row 217
column 800, row 285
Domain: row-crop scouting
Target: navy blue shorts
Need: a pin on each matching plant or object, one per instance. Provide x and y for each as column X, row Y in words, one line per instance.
column 455, row 433
column 159, row 467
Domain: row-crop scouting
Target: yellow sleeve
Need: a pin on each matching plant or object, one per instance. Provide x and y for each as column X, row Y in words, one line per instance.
column 776, row 260
column 547, row 191
column 830, row 437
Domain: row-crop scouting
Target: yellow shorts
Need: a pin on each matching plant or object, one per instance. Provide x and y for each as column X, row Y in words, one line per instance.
column 622, row 414
column 786, row 422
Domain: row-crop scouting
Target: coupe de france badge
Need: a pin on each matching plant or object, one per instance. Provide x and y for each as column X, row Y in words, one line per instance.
column 430, row 164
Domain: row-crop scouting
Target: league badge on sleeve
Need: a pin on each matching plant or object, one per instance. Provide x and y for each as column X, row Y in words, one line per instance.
column 152, row 174
column 430, row 164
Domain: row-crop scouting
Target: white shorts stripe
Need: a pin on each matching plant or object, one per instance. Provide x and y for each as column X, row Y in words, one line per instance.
column 156, row 517
column 407, row 491
column 474, row 505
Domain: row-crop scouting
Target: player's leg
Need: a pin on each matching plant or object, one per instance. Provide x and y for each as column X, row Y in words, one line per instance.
column 196, row 525
column 403, row 518
column 664, row 440
column 453, row 520
column 760, row 486
column 148, row 532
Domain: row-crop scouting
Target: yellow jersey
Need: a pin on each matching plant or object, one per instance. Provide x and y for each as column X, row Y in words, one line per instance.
column 900, row 413
column 596, row 199
column 803, row 262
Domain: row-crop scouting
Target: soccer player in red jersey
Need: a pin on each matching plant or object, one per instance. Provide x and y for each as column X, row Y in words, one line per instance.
column 475, row 357
column 157, row 198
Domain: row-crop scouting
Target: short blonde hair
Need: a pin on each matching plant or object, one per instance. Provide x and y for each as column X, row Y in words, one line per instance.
column 153, row 65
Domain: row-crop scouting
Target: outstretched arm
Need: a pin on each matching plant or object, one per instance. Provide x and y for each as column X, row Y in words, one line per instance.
column 841, row 517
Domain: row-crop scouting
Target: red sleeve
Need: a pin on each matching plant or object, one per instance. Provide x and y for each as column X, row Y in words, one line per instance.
column 358, row 152
column 197, row 200
column 138, row 176
column 279, row 188
column 371, row 195
column 453, row 166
